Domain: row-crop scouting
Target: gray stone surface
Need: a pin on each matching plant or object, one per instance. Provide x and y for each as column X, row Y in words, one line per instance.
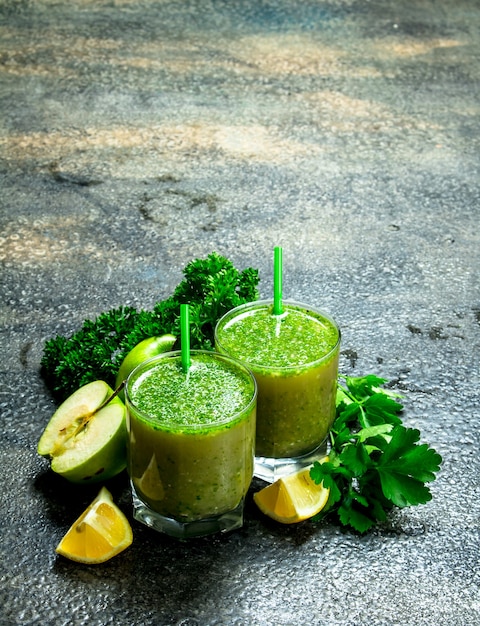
column 137, row 136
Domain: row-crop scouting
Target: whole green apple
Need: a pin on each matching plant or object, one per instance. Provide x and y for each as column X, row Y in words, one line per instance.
column 143, row 351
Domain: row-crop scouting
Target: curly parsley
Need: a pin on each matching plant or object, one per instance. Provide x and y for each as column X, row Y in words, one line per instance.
column 211, row 287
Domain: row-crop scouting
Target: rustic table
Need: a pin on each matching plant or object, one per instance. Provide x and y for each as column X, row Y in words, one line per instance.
column 137, row 136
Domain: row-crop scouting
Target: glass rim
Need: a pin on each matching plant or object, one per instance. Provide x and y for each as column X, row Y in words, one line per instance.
column 186, row 428
column 268, row 302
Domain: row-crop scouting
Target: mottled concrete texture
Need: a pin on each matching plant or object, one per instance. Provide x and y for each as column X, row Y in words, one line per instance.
column 138, row 135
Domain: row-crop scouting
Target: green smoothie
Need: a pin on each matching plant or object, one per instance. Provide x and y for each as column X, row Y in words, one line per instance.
column 294, row 357
column 191, row 436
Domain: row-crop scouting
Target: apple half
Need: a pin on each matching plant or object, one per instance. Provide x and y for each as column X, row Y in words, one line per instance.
column 86, row 437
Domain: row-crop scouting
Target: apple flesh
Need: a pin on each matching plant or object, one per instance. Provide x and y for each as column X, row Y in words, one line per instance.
column 86, row 437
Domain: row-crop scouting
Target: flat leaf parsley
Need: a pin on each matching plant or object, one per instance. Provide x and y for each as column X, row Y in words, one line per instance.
column 374, row 462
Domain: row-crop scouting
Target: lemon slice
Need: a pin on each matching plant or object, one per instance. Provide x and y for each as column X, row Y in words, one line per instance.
column 150, row 483
column 292, row 498
column 101, row 532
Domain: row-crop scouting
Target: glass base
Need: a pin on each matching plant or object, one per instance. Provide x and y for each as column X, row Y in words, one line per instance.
column 222, row 523
column 271, row 469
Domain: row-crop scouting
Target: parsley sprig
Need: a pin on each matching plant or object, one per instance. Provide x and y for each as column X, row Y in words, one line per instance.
column 211, row 286
column 374, row 463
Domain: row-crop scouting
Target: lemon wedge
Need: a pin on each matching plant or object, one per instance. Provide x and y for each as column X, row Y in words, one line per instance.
column 150, row 483
column 292, row 498
column 101, row 532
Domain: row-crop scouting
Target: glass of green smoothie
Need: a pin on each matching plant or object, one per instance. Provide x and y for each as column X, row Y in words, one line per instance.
column 191, row 441
column 294, row 358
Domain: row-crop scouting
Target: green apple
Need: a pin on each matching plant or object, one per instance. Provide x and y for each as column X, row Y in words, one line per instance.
column 86, row 437
column 143, row 351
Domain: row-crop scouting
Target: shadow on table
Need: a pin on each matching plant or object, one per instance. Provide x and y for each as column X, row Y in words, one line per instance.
column 162, row 577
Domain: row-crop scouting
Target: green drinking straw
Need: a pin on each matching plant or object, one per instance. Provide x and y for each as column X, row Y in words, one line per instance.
column 277, row 281
column 185, row 337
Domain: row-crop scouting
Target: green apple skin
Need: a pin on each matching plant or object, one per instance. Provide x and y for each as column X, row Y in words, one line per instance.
column 91, row 452
column 143, row 351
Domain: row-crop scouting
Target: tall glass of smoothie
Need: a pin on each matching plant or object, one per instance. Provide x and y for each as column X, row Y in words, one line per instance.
column 191, row 440
column 294, row 358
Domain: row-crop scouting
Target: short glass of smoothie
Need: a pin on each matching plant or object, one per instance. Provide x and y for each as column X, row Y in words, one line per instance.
column 294, row 358
column 191, row 441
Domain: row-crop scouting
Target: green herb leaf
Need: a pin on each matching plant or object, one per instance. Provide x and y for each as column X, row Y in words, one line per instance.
column 355, row 458
column 405, row 466
column 362, row 386
column 379, row 409
column 325, row 472
column 373, row 431
column 352, row 512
